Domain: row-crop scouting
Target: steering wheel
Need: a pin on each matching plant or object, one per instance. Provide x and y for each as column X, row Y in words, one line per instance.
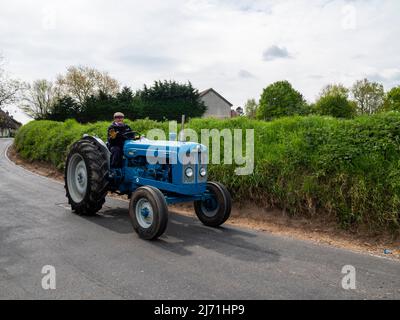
column 131, row 135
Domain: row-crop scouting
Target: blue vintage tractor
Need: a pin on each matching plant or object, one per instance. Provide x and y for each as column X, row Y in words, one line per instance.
column 154, row 175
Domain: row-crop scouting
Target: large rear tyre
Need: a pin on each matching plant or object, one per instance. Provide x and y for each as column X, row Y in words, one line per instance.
column 148, row 211
column 86, row 182
column 216, row 210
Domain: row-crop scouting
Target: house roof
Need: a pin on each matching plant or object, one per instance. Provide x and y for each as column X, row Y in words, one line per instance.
column 8, row 122
column 203, row 93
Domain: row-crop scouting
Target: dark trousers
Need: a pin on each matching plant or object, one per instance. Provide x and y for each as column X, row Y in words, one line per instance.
column 116, row 157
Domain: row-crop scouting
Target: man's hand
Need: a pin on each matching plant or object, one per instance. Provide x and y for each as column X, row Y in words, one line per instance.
column 112, row 134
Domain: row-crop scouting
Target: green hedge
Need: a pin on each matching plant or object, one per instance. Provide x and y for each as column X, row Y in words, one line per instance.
column 305, row 165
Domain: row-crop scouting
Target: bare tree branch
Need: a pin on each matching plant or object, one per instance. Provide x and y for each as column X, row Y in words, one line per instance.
column 39, row 99
column 82, row 82
column 9, row 88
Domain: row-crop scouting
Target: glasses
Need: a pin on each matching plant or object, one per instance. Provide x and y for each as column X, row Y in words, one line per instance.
column 119, row 118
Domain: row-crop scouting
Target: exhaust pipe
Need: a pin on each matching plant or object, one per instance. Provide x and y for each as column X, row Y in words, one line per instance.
column 182, row 134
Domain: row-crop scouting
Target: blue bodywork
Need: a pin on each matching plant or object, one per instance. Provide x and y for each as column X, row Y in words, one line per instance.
column 162, row 164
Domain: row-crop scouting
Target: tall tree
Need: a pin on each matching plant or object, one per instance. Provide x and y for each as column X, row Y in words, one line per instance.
column 335, row 89
column 64, row 108
column 9, row 88
column 82, row 82
column 250, row 108
column 280, row 99
column 334, row 101
column 369, row 96
column 125, row 96
column 125, row 103
column 392, row 100
column 335, row 104
column 39, row 99
column 99, row 107
column 169, row 100
column 106, row 83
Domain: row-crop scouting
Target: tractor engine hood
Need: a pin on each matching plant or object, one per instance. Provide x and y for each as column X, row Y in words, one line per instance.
column 161, row 148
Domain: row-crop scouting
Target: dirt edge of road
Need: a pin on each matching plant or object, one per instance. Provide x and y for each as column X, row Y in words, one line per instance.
column 318, row 230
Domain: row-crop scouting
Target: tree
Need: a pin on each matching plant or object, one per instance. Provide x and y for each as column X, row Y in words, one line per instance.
column 251, row 108
column 39, row 98
column 126, row 104
column 82, row 82
column 125, row 96
column 335, row 104
column 368, row 95
column 335, row 89
column 334, row 101
column 106, row 83
column 64, row 108
column 280, row 100
column 99, row 107
column 169, row 100
column 9, row 88
column 392, row 100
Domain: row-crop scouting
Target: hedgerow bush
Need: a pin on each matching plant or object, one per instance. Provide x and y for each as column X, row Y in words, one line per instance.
column 306, row 165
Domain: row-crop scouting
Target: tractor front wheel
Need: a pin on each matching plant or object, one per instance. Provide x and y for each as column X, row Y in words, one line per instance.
column 148, row 212
column 216, row 209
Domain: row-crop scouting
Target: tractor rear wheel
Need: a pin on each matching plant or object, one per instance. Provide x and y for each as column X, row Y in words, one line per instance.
column 148, row 211
column 214, row 211
column 86, row 182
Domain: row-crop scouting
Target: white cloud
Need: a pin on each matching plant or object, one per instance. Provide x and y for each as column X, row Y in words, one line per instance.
column 246, row 74
column 217, row 44
column 275, row 52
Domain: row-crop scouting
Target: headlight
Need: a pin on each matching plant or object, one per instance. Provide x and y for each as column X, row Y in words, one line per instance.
column 189, row 172
column 203, row 172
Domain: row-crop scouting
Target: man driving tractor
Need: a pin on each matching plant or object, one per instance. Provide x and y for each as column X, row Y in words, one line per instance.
column 89, row 176
column 116, row 139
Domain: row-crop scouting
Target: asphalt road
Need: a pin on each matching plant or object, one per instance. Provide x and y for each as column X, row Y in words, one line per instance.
column 102, row 258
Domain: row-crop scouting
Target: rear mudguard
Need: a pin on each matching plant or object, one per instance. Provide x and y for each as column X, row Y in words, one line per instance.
column 102, row 145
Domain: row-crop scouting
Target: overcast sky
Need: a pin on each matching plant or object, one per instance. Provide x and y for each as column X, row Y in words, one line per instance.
column 237, row 47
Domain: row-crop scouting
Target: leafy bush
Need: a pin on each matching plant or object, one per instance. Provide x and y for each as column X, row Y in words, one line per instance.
column 305, row 165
